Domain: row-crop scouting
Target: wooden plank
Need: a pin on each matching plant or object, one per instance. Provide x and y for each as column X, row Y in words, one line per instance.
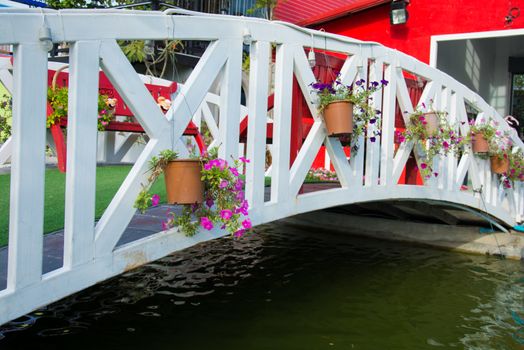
column 256, row 135
column 26, row 217
column 230, row 87
column 387, row 146
column 79, row 224
column 282, row 124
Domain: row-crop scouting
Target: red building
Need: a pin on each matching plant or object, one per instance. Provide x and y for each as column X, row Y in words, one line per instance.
column 479, row 43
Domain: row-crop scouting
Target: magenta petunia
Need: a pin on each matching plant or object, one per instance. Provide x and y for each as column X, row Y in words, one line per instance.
column 226, row 214
column 206, row 223
column 246, row 224
column 423, row 165
column 244, row 160
column 223, row 184
column 155, row 199
column 234, row 171
column 239, row 233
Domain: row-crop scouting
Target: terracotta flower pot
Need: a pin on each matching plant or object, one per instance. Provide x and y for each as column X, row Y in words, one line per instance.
column 479, row 143
column 338, row 117
column 499, row 165
column 432, row 123
column 183, row 182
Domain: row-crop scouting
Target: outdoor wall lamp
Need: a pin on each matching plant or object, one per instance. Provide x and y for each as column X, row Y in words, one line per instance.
column 399, row 13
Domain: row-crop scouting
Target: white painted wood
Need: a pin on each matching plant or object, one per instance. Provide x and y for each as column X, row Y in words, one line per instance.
column 85, row 264
column 306, row 156
column 282, row 123
column 256, row 129
column 6, row 150
column 387, row 148
column 26, row 217
column 79, row 224
column 372, row 165
column 230, row 89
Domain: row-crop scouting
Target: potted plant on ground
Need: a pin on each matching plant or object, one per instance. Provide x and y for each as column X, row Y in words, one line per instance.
column 346, row 108
column 224, row 204
column 442, row 140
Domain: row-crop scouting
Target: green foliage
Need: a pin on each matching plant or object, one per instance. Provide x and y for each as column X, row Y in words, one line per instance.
column 267, row 5
column 58, row 100
column 69, row 4
column 6, row 117
column 156, row 168
column 444, row 141
column 516, row 165
column 134, row 50
column 245, row 62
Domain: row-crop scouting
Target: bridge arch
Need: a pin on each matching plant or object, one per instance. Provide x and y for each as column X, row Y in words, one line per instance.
column 90, row 252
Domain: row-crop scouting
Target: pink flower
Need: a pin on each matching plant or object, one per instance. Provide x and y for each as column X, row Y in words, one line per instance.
column 239, row 185
column 206, row 223
column 243, row 208
column 165, row 226
column 401, row 139
column 244, row 160
column 208, row 166
column 226, row 214
column 155, row 199
column 435, row 173
column 423, row 165
column 223, row 184
column 421, row 118
column 104, row 123
column 246, row 224
column 239, row 233
column 234, row 171
column 239, row 196
column 445, row 144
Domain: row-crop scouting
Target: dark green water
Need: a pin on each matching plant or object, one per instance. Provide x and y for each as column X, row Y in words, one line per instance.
column 285, row 288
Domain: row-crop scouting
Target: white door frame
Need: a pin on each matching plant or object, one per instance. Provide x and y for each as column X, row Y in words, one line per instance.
column 435, row 39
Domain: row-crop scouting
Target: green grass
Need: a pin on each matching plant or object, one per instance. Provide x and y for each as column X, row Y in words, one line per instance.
column 108, row 180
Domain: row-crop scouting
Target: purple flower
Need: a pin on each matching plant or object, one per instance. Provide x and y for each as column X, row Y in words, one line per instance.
column 206, row 223
column 155, row 199
column 372, row 121
column 435, row 173
column 423, row 165
column 239, row 233
column 210, row 202
column 239, row 196
column 384, row 82
column 246, row 224
column 223, row 184
column 234, row 171
column 372, row 139
column 239, row 185
column 374, row 84
column 226, row 214
column 445, row 144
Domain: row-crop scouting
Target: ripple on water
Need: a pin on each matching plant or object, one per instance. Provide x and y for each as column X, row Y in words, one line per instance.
column 291, row 288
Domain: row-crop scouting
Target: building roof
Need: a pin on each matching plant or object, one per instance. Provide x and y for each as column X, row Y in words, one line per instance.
column 310, row 12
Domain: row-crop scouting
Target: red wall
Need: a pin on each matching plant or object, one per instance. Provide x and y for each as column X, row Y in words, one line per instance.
column 426, row 18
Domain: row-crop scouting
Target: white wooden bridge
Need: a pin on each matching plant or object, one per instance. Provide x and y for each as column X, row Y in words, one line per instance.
column 90, row 255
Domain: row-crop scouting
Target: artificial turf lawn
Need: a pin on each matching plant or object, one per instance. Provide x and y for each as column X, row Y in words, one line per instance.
column 108, row 180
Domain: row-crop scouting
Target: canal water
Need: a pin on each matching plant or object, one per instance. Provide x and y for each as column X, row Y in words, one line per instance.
column 289, row 288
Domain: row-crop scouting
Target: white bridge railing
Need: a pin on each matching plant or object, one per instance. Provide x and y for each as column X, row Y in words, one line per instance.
column 89, row 249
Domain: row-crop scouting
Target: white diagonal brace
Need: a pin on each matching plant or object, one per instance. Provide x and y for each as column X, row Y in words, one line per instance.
column 306, row 156
column 135, row 94
column 305, row 78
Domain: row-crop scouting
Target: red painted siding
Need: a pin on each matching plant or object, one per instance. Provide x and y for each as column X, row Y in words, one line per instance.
column 426, row 18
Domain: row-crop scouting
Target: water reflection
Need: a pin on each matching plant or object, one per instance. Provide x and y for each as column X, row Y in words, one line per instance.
column 288, row 288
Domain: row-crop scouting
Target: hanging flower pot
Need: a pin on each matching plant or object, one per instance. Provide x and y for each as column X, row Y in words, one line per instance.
column 183, row 181
column 338, row 117
column 479, row 143
column 432, row 123
column 499, row 165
